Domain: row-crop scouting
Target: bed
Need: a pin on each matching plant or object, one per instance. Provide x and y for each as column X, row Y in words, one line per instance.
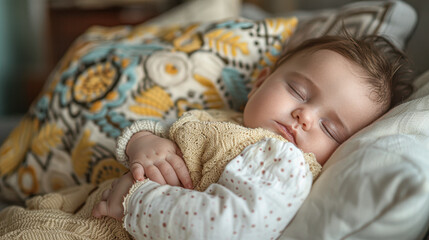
column 375, row 186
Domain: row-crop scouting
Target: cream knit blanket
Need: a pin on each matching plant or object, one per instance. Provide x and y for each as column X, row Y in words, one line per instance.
column 62, row 215
column 210, row 139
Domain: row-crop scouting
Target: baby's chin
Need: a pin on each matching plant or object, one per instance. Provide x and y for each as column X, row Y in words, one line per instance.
column 321, row 159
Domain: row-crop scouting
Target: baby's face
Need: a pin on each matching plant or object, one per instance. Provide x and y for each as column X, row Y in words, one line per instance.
column 316, row 100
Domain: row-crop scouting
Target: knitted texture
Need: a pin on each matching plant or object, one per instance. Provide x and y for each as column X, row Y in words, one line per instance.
column 210, row 139
column 62, row 215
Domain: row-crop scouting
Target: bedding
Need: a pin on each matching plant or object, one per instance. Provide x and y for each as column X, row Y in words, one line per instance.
column 65, row 214
column 208, row 140
column 375, row 185
column 366, row 174
column 395, row 20
column 380, row 176
column 68, row 212
column 198, row 133
column 114, row 76
column 260, row 200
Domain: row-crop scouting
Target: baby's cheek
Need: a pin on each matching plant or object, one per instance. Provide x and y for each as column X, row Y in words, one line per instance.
column 321, row 147
column 323, row 152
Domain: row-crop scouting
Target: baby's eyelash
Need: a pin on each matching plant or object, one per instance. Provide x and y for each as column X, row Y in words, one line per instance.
column 328, row 132
column 297, row 93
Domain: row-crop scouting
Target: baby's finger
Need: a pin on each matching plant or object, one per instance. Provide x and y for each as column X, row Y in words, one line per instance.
column 105, row 194
column 153, row 173
column 178, row 151
column 138, row 171
column 168, row 173
column 100, row 209
column 181, row 170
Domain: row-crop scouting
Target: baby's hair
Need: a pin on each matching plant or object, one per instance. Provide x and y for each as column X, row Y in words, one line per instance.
column 387, row 68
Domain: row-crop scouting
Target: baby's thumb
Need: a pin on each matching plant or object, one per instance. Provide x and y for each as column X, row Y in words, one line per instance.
column 100, row 209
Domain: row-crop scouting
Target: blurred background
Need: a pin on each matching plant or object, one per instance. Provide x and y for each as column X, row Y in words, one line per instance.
column 34, row 35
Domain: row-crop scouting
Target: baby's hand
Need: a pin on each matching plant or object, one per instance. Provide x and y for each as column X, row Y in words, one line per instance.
column 158, row 158
column 111, row 199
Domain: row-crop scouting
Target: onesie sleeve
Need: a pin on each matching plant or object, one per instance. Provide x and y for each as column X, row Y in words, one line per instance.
column 159, row 128
column 256, row 197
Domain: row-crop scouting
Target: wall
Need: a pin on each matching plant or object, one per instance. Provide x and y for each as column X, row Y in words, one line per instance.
column 7, row 60
column 418, row 46
column 21, row 52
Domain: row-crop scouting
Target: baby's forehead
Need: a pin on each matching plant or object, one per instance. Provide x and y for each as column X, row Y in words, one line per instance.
column 340, row 72
column 346, row 87
column 359, row 109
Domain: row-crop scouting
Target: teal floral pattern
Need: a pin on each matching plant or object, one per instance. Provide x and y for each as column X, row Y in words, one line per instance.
column 111, row 77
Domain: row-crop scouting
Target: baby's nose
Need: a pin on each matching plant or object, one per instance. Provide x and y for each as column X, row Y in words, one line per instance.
column 304, row 117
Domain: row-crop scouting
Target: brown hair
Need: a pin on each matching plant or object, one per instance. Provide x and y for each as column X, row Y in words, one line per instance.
column 388, row 69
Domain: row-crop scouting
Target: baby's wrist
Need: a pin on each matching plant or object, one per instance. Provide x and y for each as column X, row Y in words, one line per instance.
column 134, row 138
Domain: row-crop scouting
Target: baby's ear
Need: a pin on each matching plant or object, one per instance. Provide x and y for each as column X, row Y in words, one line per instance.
column 263, row 75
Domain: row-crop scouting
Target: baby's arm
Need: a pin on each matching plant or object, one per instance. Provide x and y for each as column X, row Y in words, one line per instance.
column 143, row 148
column 256, row 197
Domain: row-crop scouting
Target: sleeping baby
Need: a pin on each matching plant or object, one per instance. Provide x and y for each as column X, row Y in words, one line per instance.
column 253, row 169
column 229, row 175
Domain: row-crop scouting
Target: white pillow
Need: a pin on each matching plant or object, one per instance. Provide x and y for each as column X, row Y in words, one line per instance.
column 393, row 19
column 199, row 11
column 376, row 185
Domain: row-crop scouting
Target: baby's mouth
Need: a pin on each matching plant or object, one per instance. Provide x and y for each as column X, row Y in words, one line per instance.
column 286, row 132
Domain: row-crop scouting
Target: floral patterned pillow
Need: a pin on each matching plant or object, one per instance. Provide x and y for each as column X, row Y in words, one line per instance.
column 113, row 76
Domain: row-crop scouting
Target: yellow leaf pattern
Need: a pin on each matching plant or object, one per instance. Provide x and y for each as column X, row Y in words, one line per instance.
column 153, row 102
column 13, row 150
column 226, row 38
column 188, row 41
column 211, row 95
column 142, row 30
column 48, row 137
column 283, row 26
column 82, row 153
